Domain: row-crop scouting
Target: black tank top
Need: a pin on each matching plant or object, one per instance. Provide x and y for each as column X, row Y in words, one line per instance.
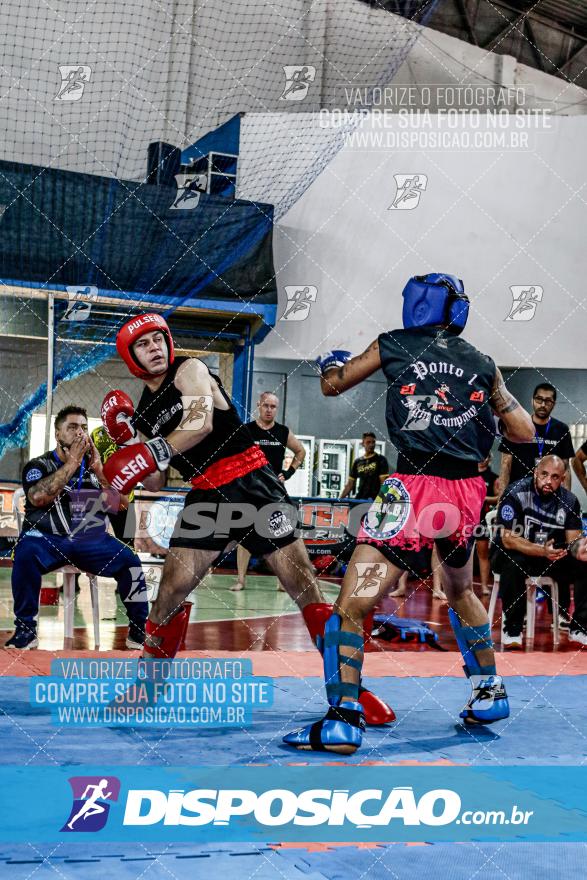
column 437, row 412
column 160, row 412
column 272, row 441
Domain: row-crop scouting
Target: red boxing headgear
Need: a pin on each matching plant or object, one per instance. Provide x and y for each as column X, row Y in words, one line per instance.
column 133, row 330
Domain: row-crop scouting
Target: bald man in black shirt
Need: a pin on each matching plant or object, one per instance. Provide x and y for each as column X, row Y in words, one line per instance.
column 538, row 519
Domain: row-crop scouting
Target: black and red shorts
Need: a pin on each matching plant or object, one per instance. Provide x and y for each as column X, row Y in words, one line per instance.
column 252, row 509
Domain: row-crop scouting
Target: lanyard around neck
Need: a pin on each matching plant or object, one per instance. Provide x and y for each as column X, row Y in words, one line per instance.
column 540, row 441
column 81, row 471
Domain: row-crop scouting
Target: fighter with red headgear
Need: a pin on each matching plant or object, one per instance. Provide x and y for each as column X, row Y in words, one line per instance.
column 187, row 420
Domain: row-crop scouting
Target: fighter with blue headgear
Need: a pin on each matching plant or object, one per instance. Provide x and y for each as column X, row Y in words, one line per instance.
column 435, row 300
column 442, row 393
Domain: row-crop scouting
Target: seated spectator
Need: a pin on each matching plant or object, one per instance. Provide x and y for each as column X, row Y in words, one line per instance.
column 370, row 470
column 67, row 500
column 537, row 520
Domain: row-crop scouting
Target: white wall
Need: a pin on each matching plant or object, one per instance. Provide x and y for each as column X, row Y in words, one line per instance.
column 495, row 218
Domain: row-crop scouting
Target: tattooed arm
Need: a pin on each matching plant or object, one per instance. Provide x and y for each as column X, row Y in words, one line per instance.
column 46, row 490
column 517, row 425
column 340, row 379
column 505, row 472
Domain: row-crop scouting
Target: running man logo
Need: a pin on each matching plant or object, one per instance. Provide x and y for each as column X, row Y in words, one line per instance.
column 91, row 797
column 139, row 589
column 194, row 412
column 420, row 409
column 298, row 79
column 80, row 302
column 73, row 81
column 525, row 302
column 189, row 189
column 299, row 302
column 369, row 577
column 409, row 191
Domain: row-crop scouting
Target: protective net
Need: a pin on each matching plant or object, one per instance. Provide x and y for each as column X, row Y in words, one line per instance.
column 109, row 179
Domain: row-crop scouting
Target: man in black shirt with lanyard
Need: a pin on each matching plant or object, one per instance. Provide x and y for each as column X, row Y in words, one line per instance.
column 273, row 439
column 538, row 519
column 68, row 498
column 552, row 437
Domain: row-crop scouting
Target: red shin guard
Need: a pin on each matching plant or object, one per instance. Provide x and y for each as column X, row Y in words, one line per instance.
column 315, row 616
column 317, row 613
column 163, row 640
column 188, row 606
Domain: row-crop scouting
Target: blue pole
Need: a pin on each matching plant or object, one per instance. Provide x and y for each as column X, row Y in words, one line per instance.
column 242, row 377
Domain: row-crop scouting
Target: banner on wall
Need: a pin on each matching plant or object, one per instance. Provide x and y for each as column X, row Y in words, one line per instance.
column 327, row 526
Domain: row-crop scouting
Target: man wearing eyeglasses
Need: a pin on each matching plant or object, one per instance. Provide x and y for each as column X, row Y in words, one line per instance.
column 552, row 437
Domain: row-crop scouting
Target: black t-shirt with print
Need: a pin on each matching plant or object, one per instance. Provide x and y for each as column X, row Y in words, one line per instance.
column 438, row 409
column 554, row 438
column 272, row 441
column 367, row 471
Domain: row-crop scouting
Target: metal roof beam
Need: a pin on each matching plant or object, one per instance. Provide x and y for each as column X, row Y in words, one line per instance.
column 504, row 32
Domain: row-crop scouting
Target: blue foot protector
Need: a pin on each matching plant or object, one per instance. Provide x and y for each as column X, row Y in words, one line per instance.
column 341, row 730
column 488, row 701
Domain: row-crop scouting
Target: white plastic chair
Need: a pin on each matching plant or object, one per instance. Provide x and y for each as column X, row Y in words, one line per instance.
column 532, row 583
column 69, row 573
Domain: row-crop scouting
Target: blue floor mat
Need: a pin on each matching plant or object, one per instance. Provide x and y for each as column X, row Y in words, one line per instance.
column 518, row 861
column 548, row 725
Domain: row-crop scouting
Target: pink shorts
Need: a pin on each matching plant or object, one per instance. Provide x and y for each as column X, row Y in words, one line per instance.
column 414, row 510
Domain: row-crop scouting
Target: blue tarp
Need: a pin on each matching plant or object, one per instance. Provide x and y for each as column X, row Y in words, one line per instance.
column 62, row 227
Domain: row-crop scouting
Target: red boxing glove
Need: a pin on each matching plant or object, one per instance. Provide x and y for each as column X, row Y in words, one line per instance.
column 117, row 410
column 128, row 466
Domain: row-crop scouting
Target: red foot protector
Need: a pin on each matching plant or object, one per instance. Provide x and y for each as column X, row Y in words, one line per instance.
column 162, row 641
column 315, row 616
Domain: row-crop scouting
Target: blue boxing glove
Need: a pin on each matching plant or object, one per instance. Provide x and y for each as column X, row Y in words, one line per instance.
column 332, row 359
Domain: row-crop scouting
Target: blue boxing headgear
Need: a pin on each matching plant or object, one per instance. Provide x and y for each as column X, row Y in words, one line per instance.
column 435, row 299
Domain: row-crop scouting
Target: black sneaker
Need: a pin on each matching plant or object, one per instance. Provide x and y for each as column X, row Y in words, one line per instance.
column 23, row 640
column 135, row 637
column 564, row 623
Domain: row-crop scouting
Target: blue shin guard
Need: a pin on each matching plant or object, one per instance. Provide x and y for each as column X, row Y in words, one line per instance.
column 471, row 639
column 341, row 730
column 488, row 701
